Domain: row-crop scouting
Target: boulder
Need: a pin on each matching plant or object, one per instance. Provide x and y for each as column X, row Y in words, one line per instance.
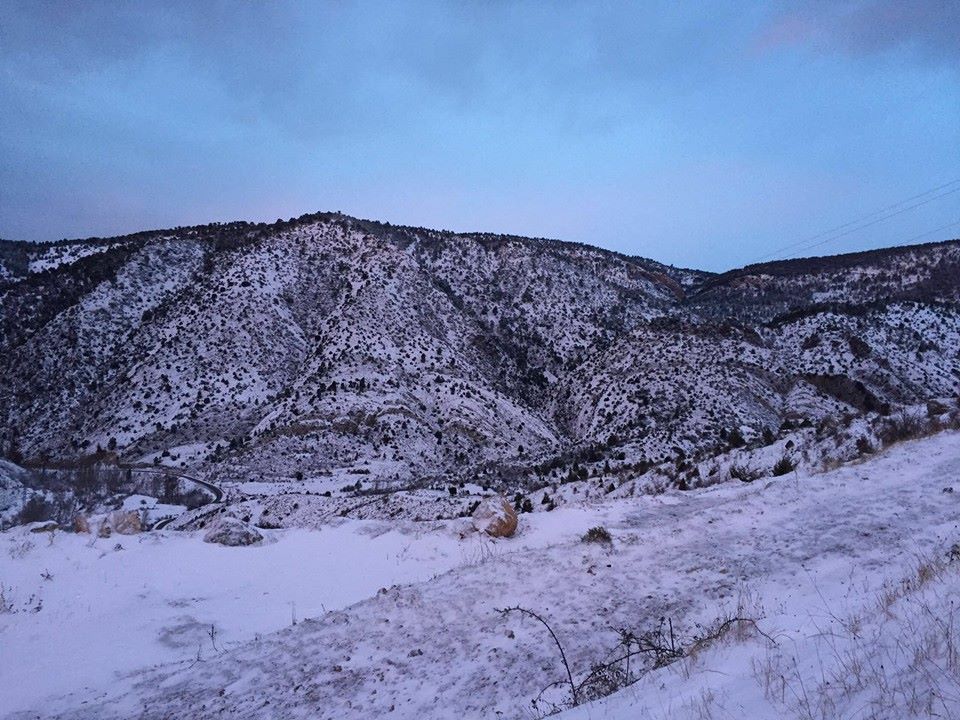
column 105, row 530
column 232, row 531
column 81, row 524
column 125, row 522
column 495, row 517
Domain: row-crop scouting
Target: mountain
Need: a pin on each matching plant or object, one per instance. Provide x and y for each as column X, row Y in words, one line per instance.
column 328, row 344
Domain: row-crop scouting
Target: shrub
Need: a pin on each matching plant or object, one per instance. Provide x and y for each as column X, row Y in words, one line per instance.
column 743, row 473
column 522, row 504
column 195, row 498
column 783, row 466
column 599, row 535
column 735, row 438
column 903, row 427
column 36, row 509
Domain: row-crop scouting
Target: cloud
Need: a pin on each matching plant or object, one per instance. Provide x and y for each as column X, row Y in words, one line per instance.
column 567, row 118
column 927, row 30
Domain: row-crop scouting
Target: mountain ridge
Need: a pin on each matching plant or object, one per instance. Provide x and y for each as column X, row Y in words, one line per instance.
column 320, row 343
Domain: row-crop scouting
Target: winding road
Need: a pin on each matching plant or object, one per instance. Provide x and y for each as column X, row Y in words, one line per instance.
column 214, row 490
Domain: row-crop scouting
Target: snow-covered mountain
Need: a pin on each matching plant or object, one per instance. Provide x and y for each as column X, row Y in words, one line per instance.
column 295, row 349
column 737, row 493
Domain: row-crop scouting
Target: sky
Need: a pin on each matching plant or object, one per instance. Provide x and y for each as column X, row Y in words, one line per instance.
column 704, row 135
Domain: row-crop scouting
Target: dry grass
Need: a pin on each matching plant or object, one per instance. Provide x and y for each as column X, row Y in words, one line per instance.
column 903, row 661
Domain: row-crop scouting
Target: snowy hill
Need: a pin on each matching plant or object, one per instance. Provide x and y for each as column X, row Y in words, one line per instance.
column 326, row 345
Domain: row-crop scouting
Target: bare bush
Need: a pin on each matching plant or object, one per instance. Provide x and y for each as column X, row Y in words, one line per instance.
column 743, row 473
column 783, row 466
column 36, row 509
column 905, row 426
column 599, row 535
column 634, row 655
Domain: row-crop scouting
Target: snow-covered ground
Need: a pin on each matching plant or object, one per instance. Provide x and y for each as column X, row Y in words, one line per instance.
column 827, row 565
column 111, row 605
column 856, row 651
column 82, row 609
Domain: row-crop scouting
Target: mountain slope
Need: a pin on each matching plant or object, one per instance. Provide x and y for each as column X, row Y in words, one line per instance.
column 328, row 343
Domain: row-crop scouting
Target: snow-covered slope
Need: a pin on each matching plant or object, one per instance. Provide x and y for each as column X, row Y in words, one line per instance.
column 326, row 344
column 15, row 490
column 853, row 568
column 763, row 292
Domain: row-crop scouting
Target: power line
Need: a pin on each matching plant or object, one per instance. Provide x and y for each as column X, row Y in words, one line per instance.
column 885, row 212
column 873, row 222
column 909, row 240
column 869, row 216
column 929, row 232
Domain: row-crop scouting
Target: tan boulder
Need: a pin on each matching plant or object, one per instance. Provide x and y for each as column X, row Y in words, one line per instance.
column 495, row 517
column 125, row 522
column 81, row 524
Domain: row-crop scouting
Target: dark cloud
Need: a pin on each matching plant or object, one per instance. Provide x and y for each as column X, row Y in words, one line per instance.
column 928, row 30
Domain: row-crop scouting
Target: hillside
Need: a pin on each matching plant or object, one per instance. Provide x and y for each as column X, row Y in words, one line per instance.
column 846, row 582
column 327, row 345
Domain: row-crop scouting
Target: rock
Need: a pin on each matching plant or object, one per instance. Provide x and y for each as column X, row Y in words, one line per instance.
column 81, row 524
column 232, row 531
column 40, row 527
column 105, row 530
column 495, row 516
column 125, row 522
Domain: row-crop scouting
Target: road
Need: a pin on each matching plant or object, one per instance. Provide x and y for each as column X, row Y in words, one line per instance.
column 214, row 490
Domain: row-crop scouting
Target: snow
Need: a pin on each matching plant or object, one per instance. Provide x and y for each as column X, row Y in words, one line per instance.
column 106, row 611
column 803, row 554
column 844, row 647
column 151, row 509
column 57, row 255
column 13, row 493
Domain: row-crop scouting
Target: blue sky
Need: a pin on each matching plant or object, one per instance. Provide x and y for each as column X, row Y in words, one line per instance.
column 699, row 134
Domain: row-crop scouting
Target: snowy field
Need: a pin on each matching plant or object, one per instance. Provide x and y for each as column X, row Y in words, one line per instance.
column 847, row 575
column 84, row 609
column 114, row 604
